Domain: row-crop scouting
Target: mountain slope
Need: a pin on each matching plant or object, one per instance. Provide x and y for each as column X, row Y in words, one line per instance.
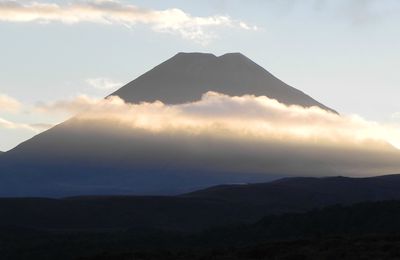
column 186, row 76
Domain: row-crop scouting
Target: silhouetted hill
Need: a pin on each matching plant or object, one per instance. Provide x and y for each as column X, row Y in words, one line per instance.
column 307, row 192
column 204, row 209
column 186, row 76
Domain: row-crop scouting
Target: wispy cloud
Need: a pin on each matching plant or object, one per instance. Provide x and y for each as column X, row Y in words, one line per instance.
column 9, row 104
column 36, row 128
column 103, row 83
column 173, row 20
column 70, row 106
column 65, row 108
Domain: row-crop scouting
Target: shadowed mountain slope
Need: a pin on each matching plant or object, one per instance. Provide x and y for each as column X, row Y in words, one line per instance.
column 186, row 76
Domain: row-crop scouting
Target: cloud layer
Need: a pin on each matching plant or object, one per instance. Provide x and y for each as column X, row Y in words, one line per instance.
column 68, row 106
column 246, row 116
column 237, row 134
column 248, row 133
column 172, row 20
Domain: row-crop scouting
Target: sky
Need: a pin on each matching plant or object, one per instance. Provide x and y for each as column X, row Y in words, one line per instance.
column 343, row 53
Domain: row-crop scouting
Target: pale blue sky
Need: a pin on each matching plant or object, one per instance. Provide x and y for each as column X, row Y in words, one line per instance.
column 344, row 53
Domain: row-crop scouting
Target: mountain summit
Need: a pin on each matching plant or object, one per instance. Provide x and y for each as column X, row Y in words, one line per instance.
column 186, row 76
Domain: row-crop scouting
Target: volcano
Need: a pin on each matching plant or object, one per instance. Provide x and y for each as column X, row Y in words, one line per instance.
column 83, row 158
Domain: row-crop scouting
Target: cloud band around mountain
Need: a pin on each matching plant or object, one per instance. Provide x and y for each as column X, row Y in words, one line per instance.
column 171, row 20
column 248, row 115
column 240, row 134
column 230, row 133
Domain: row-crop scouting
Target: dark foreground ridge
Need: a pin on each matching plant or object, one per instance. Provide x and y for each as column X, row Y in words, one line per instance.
column 362, row 231
column 291, row 218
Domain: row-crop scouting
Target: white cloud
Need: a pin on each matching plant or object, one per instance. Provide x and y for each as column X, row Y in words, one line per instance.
column 171, row 20
column 67, row 107
column 246, row 116
column 245, row 134
column 103, row 83
column 70, row 106
column 9, row 104
column 36, row 128
column 14, row 128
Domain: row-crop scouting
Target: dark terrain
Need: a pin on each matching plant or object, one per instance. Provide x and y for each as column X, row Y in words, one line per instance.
column 215, row 206
column 361, row 231
column 292, row 218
